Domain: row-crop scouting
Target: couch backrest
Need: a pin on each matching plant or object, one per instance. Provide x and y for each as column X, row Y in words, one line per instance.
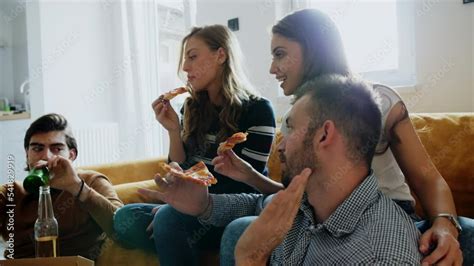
column 448, row 139
column 131, row 171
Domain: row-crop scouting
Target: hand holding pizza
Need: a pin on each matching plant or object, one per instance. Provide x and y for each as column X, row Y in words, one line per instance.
column 164, row 113
column 183, row 194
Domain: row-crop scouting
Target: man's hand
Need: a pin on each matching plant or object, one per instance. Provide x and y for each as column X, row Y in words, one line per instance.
column 270, row 228
column 231, row 165
column 62, row 174
column 149, row 228
column 443, row 236
column 184, row 195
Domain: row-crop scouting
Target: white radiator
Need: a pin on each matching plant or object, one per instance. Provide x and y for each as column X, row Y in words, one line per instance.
column 97, row 144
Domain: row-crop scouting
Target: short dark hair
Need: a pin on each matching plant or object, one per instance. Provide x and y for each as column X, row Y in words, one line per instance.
column 352, row 105
column 319, row 38
column 48, row 123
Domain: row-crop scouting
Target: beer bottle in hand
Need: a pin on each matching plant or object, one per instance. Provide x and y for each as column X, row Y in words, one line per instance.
column 46, row 226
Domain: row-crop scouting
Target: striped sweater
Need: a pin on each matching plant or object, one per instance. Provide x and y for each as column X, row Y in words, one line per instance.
column 258, row 121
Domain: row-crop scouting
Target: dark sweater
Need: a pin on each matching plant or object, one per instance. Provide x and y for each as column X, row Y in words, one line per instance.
column 258, row 120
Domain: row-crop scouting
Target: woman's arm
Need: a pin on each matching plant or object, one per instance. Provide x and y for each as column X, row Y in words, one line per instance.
column 166, row 116
column 251, row 162
column 229, row 164
column 176, row 152
column 427, row 184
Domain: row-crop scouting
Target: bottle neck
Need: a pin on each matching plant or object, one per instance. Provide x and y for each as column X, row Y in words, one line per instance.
column 45, row 205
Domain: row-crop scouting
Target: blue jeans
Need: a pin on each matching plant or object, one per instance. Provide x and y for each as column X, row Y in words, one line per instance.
column 231, row 235
column 179, row 238
column 130, row 223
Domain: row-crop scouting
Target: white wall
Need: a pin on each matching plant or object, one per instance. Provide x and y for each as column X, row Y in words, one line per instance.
column 255, row 21
column 444, row 50
column 20, row 55
column 77, row 56
column 6, row 76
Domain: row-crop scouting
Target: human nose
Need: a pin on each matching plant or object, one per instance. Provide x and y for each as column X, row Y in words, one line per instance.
column 282, row 145
column 46, row 154
column 273, row 68
column 186, row 66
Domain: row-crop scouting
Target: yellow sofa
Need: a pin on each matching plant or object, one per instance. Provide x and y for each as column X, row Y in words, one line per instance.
column 448, row 138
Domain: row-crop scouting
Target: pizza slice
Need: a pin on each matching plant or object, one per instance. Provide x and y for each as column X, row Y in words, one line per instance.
column 173, row 93
column 237, row 138
column 198, row 173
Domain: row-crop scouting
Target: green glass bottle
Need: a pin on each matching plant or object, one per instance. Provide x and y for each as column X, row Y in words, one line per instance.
column 35, row 179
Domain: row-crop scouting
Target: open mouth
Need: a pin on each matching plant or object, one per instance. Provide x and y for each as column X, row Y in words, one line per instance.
column 281, row 79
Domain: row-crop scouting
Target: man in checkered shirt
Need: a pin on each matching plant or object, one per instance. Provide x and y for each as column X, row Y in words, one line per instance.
column 331, row 211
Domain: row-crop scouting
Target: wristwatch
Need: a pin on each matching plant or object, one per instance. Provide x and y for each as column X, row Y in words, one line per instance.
column 451, row 218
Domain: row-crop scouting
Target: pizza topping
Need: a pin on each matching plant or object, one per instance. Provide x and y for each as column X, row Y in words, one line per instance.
column 237, row 138
column 173, row 93
column 198, row 173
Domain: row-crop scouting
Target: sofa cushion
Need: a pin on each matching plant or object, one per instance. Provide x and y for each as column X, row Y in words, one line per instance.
column 449, row 140
column 128, row 192
column 114, row 254
column 130, row 171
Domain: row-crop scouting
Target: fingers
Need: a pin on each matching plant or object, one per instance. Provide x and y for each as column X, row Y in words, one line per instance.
column 298, row 184
column 424, row 242
column 231, row 154
column 218, row 167
column 53, row 162
column 163, row 183
column 149, row 228
column 217, row 160
column 436, row 255
column 40, row 164
column 447, row 252
column 176, row 166
column 154, row 210
column 153, row 194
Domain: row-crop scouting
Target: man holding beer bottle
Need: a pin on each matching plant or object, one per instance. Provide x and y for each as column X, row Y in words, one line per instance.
column 83, row 201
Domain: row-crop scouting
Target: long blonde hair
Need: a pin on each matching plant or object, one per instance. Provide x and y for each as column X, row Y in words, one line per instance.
column 236, row 88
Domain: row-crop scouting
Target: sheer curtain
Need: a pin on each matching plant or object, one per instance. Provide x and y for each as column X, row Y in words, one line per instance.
column 150, row 35
column 139, row 86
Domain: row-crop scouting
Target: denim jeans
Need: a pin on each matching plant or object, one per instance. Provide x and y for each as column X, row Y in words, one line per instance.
column 180, row 238
column 231, row 235
column 130, row 223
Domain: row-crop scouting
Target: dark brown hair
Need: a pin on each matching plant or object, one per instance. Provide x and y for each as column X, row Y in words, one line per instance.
column 322, row 46
column 48, row 123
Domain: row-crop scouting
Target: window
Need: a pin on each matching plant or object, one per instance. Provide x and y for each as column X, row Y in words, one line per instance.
column 378, row 37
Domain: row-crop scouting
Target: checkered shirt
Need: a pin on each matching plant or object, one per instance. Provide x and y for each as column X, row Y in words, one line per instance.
column 367, row 228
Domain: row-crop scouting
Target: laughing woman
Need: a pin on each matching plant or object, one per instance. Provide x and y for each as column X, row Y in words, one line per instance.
column 305, row 45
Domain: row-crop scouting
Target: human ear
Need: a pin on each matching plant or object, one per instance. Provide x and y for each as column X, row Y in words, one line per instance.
column 221, row 55
column 72, row 154
column 328, row 129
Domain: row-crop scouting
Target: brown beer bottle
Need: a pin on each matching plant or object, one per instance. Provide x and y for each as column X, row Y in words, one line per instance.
column 46, row 226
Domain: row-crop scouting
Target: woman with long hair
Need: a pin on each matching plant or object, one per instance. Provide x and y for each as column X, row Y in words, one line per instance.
column 305, row 45
column 221, row 103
